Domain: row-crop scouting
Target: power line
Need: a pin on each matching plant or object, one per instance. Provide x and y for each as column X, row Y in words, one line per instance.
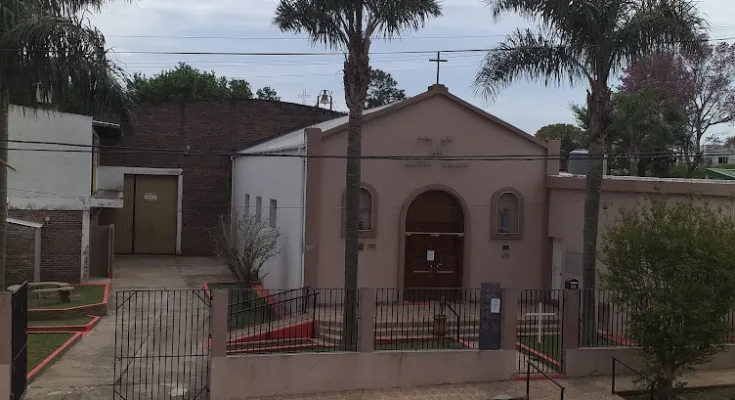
column 84, row 148
column 450, row 51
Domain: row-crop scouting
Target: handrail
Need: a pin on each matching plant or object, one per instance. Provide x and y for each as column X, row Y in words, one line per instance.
column 648, row 379
column 456, row 314
column 271, row 295
column 315, row 294
column 529, row 364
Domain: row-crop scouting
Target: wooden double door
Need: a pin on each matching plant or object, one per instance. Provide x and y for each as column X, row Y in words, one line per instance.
column 434, row 246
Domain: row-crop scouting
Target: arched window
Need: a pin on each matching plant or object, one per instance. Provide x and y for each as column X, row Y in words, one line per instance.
column 366, row 210
column 366, row 213
column 507, row 214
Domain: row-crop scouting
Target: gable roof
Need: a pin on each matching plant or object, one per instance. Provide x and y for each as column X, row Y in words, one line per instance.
column 434, row 90
column 296, row 139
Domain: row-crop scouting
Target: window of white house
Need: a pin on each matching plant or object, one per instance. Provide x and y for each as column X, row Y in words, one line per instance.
column 366, row 210
column 273, row 214
column 258, row 206
column 246, row 206
column 722, row 160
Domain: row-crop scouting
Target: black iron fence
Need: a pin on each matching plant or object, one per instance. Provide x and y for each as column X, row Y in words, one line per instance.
column 419, row 319
column 290, row 321
column 539, row 331
column 19, row 342
column 641, row 380
column 162, row 344
column 603, row 322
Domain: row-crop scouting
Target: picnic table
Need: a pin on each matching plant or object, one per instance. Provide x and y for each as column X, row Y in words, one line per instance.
column 42, row 288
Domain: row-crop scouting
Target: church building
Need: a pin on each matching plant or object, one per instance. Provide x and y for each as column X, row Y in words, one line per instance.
column 501, row 212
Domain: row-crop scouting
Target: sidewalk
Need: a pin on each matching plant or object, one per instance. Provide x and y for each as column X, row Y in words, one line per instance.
column 576, row 389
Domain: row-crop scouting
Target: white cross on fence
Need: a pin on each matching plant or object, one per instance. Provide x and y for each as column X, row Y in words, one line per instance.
column 539, row 318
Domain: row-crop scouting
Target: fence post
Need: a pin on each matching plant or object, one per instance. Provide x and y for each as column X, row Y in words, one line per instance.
column 366, row 325
column 218, row 324
column 509, row 321
column 6, row 352
column 571, row 323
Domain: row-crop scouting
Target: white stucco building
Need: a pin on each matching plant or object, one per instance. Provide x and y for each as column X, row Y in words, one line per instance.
column 52, row 181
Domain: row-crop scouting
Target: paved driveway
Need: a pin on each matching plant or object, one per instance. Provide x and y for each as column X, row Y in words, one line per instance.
column 87, row 370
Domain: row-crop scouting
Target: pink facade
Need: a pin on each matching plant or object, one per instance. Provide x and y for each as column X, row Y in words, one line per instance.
column 432, row 122
column 541, row 247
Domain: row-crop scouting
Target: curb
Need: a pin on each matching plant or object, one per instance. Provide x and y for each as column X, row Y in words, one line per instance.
column 65, row 328
column 58, row 352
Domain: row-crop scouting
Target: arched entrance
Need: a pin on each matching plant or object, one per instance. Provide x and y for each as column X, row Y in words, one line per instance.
column 434, row 242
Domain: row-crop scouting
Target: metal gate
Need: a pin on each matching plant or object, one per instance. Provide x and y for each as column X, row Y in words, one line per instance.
column 19, row 341
column 539, row 334
column 161, row 344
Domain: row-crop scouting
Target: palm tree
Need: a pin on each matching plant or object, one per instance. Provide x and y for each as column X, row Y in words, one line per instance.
column 587, row 40
column 51, row 58
column 349, row 26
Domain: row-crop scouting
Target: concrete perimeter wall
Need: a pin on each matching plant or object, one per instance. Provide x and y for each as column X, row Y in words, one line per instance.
column 6, row 351
column 257, row 376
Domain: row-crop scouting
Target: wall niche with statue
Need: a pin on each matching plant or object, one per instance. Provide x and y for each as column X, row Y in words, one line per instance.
column 506, row 214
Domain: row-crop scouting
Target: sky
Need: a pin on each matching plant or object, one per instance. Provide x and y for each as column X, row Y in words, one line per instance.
column 246, row 26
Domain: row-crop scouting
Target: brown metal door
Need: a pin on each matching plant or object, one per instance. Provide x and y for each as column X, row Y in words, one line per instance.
column 432, row 262
column 155, row 206
column 124, row 218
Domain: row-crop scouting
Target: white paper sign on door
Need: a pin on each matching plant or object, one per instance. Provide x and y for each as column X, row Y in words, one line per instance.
column 429, row 255
column 150, row 196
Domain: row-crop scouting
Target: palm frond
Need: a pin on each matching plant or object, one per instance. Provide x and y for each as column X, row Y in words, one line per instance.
column 390, row 17
column 531, row 56
column 655, row 25
column 324, row 21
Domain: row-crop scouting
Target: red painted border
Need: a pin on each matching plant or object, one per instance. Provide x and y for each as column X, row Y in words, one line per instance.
column 56, row 353
column 65, row 328
column 297, row 330
column 538, row 354
column 618, row 339
column 105, row 298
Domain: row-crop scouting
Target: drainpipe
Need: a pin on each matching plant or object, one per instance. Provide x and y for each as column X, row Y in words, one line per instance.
column 302, row 152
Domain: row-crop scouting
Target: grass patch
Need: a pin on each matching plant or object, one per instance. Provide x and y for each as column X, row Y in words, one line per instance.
column 703, row 393
column 81, row 295
column 41, row 345
column 437, row 344
column 54, row 322
column 245, row 306
column 550, row 345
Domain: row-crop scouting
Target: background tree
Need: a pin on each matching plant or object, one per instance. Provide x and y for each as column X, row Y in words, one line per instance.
column 571, row 137
column 573, row 44
column 185, row 83
column 647, row 124
column 703, row 83
column 382, row 90
column 675, row 292
column 51, row 58
column 349, row 26
column 267, row 93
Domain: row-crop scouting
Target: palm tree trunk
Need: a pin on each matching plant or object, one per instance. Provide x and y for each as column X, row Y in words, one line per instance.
column 352, row 225
column 4, row 111
column 600, row 120
column 357, row 78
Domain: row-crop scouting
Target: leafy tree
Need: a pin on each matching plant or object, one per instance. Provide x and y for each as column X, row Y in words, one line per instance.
column 671, row 269
column 571, row 137
column 704, row 83
column 349, row 26
column 267, row 93
column 382, row 90
column 52, row 58
column 646, row 125
column 575, row 43
column 185, row 83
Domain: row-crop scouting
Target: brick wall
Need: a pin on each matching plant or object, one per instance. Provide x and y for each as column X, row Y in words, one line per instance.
column 61, row 242
column 21, row 254
column 211, row 127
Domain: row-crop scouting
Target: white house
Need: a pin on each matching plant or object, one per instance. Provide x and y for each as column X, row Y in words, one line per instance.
column 52, row 181
column 718, row 155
